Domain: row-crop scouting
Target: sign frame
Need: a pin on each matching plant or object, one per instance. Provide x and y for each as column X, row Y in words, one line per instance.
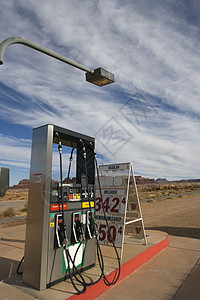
column 120, row 217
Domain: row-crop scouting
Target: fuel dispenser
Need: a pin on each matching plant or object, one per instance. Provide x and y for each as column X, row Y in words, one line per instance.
column 59, row 213
column 4, row 180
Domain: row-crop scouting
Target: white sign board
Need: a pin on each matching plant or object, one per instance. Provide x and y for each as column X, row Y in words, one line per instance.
column 119, row 195
column 114, row 201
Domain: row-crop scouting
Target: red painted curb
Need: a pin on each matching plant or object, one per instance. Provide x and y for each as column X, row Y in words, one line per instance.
column 126, row 269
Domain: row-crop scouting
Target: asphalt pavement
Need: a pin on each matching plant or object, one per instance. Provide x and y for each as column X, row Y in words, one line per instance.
column 17, row 205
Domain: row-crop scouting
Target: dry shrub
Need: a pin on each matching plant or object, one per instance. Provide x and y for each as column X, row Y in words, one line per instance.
column 149, row 201
column 8, row 213
column 24, row 209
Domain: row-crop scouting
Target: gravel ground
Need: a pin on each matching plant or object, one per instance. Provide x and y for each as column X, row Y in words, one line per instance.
column 179, row 217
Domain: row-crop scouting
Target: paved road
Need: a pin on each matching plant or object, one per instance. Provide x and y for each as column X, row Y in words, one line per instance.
column 172, row 275
column 17, row 205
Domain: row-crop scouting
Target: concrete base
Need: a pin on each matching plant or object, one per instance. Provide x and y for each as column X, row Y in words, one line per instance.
column 172, row 275
column 135, row 255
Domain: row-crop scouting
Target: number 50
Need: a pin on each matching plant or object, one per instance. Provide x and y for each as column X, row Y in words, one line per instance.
column 103, row 232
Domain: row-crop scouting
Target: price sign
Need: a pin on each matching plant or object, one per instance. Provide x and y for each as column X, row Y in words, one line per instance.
column 111, row 204
column 118, row 196
column 116, row 231
column 114, row 205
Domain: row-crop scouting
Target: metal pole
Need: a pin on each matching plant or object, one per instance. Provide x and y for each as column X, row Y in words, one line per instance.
column 28, row 43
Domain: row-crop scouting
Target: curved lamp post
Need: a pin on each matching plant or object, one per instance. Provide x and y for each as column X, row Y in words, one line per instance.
column 98, row 76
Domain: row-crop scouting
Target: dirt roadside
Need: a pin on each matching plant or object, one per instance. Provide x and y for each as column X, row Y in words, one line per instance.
column 179, row 216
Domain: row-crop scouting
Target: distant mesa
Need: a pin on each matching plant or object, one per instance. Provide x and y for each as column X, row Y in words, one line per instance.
column 164, row 180
column 143, row 180
column 24, row 183
column 161, row 180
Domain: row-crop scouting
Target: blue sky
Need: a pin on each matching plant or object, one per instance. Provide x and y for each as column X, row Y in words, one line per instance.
column 150, row 115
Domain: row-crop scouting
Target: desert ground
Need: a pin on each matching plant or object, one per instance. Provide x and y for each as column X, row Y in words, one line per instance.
column 15, row 194
column 173, row 208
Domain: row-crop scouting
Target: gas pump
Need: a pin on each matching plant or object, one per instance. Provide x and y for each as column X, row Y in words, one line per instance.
column 60, row 232
column 4, row 180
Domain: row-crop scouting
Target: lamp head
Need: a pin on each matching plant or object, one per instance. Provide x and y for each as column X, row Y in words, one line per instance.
column 100, row 77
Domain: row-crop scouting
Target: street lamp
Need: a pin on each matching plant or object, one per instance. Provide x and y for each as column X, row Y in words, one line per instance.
column 98, row 76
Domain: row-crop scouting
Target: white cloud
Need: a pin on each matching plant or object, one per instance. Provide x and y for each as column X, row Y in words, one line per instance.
column 152, row 47
column 15, row 152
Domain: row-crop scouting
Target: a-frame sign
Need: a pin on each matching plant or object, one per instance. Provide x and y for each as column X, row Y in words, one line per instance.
column 121, row 204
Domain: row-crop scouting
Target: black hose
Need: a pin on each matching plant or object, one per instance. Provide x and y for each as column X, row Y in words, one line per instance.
column 100, row 260
column 75, row 271
column 19, row 265
column 60, row 157
column 70, row 163
column 68, row 256
column 115, row 279
column 99, row 253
